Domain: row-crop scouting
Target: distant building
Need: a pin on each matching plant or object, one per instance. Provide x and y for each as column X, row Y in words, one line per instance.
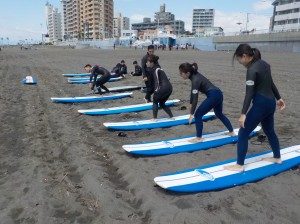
column 209, row 31
column 53, row 22
column 286, row 15
column 162, row 18
column 87, row 20
column 203, row 18
column 120, row 23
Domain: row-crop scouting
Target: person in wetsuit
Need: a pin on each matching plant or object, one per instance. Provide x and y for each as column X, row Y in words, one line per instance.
column 137, row 69
column 261, row 90
column 162, row 86
column 214, row 99
column 147, row 74
column 116, row 71
column 123, row 68
column 99, row 83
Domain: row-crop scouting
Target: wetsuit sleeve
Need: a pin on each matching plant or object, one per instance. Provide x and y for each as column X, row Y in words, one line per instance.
column 250, row 89
column 194, row 95
column 143, row 65
column 93, row 77
column 125, row 69
column 275, row 91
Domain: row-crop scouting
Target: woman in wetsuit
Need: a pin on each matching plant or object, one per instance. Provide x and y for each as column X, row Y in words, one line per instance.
column 261, row 90
column 214, row 99
column 99, row 83
column 162, row 86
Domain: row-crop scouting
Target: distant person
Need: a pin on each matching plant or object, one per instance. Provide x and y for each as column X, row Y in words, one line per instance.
column 137, row 69
column 116, row 71
column 262, row 92
column 95, row 71
column 162, row 87
column 214, row 99
column 147, row 74
column 123, row 68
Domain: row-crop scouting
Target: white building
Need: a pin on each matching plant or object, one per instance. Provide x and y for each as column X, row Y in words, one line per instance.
column 120, row 23
column 286, row 15
column 203, row 18
column 53, row 21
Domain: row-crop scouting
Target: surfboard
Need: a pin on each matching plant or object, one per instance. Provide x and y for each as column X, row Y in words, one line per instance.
column 124, row 109
column 87, row 80
column 149, row 124
column 29, row 80
column 119, row 89
column 214, row 177
column 76, row 75
column 178, row 145
column 89, row 98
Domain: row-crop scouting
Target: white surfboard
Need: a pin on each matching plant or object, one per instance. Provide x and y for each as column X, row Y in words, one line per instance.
column 149, row 124
column 178, row 145
column 215, row 177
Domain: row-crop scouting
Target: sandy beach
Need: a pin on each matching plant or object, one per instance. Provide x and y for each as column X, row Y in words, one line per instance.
column 57, row 166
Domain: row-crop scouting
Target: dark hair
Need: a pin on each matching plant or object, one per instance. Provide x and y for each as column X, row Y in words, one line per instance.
column 150, row 47
column 246, row 49
column 87, row 65
column 134, row 62
column 187, row 67
column 118, row 65
column 122, row 61
column 153, row 58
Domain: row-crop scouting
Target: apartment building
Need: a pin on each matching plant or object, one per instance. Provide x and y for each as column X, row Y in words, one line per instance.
column 202, row 18
column 286, row 15
column 88, row 19
column 53, row 21
column 120, row 23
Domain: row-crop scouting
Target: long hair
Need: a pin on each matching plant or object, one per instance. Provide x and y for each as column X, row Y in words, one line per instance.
column 246, row 49
column 187, row 67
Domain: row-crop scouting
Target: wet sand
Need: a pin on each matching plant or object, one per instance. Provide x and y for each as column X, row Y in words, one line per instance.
column 57, row 166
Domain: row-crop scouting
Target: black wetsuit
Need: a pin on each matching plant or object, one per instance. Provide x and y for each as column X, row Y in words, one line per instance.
column 105, row 76
column 123, row 69
column 147, row 72
column 162, row 91
column 261, row 90
column 214, row 100
column 137, row 71
column 115, row 72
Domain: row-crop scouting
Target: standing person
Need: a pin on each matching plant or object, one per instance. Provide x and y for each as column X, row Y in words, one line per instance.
column 137, row 69
column 95, row 71
column 162, row 87
column 214, row 99
column 123, row 68
column 261, row 90
column 147, row 75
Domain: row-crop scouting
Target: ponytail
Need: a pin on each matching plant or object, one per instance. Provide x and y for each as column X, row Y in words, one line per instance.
column 187, row 67
column 246, row 49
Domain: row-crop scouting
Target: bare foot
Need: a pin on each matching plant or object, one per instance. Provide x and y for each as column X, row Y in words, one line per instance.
column 171, row 118
column 195, row 140
column 232, row 134
column 272, row 160
column 235, row 167
column 146, row 101
column 154, row 119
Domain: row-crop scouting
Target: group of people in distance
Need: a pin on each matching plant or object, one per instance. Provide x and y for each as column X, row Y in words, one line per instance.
column 260, row 90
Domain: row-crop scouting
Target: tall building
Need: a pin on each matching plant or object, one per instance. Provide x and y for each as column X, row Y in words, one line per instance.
column 88, row 19
column 162, row 19
column 53, row 21
column 286, row 15
column 120, row 23
column 203, row 18
column 63, row 19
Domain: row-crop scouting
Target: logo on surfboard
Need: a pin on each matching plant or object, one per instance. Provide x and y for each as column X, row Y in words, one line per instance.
column 205, row 174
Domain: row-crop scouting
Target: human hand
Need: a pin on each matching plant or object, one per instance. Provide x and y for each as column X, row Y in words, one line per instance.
column 191, row 118
column 242, row 120
column 281, row 104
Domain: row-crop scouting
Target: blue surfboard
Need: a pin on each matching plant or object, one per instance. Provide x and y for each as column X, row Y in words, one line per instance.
column 76, row 75
column 87, row 80
column 29, row 80
column 179, row 145
column 215, row 177
column 124, row 109
column 86, row 99
column 149, row 124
